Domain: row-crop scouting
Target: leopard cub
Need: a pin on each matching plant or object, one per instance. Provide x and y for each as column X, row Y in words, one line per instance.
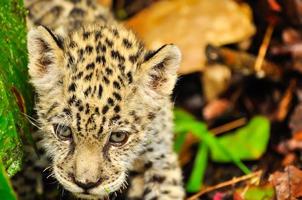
column 103, row 103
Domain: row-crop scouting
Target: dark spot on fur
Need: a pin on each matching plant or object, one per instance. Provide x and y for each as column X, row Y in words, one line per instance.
column 80, row 74
column 105, row 109
column 101, row 59
column 109, row 42
column 87, row 108
column 106, row 80
column 121, row 80
column 71, row 60
column 117, row 96
column 77, row 12
column 101, row 48
column 121, row 67
column 158, row 178
column 130, row 79
column 72, row 100
column 110, row 101
column 80, row 54
column 86, row 35
column 166, row 192
column 148, row 165
column 117, row 108
column 146, row 191
column 108, row 71
column 100, row 130
column 100, row 91
column 96, row 110
column 52, row 107
column 104, row 119
column 115, row 118
column 115, row 33
column 72, row 44
column 117, row 56
column 89, row 49
column 127, row 43
column 88, row 77
column 78, row 103
column 72, row 87
column 133, row 58
column 67, row 111
column 151, row 115
column 81, row 108
column 87, row 91
column 90, row 66
column 116, row 85
column 97, row 35
column 75, row 1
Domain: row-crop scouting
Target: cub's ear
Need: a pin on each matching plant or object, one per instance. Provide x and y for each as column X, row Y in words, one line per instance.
column 161, row 67
column 45, row 56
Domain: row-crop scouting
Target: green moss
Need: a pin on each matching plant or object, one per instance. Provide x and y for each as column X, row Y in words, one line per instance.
column 15, row 92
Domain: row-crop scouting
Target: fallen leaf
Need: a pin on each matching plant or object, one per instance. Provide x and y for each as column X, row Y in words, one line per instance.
column 216, row 79
column 192, row 25
column 265, row 192
column 289, row 159
column 246, row 143
column 106, row 3
column 295, row 120
column 288, row 183
column 216, row 108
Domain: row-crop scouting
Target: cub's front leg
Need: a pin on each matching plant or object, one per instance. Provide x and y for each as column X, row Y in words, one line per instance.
column 162, row 174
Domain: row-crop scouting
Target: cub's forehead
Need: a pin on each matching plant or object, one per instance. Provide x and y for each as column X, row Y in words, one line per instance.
column 103, row 45
column 101, row 63
column 106, row 54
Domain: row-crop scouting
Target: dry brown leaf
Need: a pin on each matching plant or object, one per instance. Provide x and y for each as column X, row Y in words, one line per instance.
column 106, row 3
column 191, row 25
column 216, row 108
column 288, row 183
column 216, row 79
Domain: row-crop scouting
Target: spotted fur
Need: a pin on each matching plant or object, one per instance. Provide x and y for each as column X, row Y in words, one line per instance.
column 96, row 78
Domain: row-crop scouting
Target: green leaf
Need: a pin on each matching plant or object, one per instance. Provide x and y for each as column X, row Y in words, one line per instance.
column 260, row 193
column 179, row 141
column 186, row 123
column 15, row 92
column 247, row 143
column 6, row 191
column 196, row 178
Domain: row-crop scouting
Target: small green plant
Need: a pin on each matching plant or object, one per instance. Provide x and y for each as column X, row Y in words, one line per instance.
column 247, row 143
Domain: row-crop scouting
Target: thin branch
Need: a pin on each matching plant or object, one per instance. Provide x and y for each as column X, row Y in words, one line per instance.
column 263, row 50
column 224, row 184
column 228, row 126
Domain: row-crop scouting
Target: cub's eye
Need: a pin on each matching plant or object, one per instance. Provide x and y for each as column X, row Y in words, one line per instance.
column 62, row 131
column 118, row 138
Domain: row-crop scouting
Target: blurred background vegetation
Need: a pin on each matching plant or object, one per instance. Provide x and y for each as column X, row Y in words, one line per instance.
column 237, row 102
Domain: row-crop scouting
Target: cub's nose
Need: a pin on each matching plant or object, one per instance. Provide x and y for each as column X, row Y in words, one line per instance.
column 88, row 185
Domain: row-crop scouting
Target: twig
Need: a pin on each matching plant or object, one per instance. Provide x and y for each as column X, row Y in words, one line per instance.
column 224, row 184
column 286, row 101
column 228, row 126
column 263, row 50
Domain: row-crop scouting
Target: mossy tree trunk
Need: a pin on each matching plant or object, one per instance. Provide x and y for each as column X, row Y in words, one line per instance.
column 15, row 92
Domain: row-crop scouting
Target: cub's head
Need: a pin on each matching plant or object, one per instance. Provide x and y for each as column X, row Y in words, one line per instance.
column 98, row 91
